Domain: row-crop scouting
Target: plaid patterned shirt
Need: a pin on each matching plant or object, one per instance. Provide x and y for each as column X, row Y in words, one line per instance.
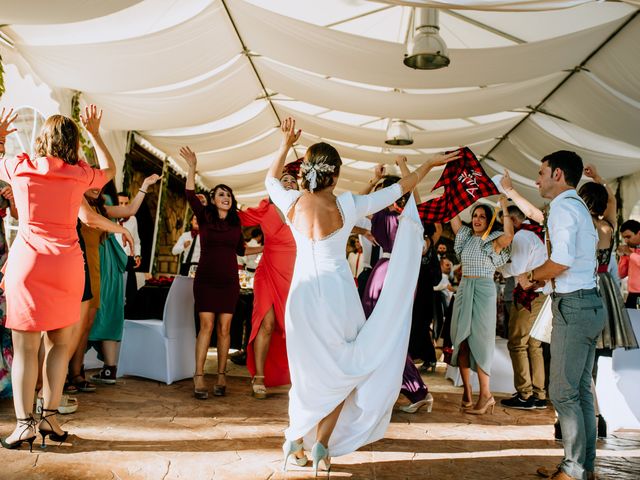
column 464, row 182
column 478, row 257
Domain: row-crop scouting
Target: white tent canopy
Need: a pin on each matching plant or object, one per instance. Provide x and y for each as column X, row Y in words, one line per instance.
column 527, row 77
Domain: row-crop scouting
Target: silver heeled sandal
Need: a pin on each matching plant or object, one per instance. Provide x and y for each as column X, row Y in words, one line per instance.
column 319, row 453
column 290, row 447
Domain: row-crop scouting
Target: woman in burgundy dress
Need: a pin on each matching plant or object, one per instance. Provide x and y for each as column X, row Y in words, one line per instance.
column 216, row 287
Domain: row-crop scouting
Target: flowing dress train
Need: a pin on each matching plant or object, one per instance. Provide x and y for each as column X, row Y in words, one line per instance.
column 334, row 354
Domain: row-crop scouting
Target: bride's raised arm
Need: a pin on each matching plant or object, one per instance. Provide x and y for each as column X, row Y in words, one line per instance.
column 289, row 137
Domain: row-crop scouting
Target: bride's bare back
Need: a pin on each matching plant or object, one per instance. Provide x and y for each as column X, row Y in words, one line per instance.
column 316, row 215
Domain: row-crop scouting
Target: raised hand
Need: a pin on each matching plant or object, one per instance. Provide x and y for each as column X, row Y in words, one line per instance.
column 150, row 180
column 505, row 181
column 5, row 123
column 378, row 172
column 189, row 157
column 444, row 158
column 91, row 119
column 401, row 159
column 591, row 172
column 503, row 201
column 289, row 133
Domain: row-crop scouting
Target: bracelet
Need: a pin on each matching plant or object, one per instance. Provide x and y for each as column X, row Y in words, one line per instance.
column 143, row 191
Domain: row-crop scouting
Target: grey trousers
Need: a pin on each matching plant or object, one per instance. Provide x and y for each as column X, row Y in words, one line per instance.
column 578, row 319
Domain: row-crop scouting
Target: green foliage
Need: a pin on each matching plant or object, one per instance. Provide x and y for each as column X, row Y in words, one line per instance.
column 2, row 88
column 85, row 145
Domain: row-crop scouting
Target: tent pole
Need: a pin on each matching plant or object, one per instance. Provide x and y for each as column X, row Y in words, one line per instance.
column 247, row 53
column 163, row 181
column 575, row 70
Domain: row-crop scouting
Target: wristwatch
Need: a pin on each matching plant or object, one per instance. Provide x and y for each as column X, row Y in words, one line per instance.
column 530, row 276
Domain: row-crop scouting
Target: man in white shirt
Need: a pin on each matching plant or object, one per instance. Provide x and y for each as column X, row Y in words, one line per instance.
column 188, row 244
column 527, row 252
column 131, row 224
column 578, row 314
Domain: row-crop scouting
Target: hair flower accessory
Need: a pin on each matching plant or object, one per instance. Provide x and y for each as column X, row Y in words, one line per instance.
column 310, row 172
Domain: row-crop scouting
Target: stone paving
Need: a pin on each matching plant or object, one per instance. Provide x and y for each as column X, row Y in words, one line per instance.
column 141, row 429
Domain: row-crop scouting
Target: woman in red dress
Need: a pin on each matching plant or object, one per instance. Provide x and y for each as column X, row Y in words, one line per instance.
column 48, row 191
column 267, row 351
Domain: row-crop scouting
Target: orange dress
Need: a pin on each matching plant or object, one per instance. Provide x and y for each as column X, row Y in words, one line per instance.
column 271, row 288
column 44, row 277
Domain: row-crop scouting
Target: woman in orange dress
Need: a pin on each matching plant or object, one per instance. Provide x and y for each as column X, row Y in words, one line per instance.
column 267, row 351
column 44, row 279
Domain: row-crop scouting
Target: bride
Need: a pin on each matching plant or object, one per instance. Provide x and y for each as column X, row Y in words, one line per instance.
column 345, row 372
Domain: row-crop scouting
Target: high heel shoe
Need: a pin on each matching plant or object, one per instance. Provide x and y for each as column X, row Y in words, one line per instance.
column 220, row 390
column 464, row 406
column 481, row 411
column 320, row 453
column 290, row 447
column 199, row 394
column 414, row 407
column 259, row 390
column 52, row 434
column 28, row 423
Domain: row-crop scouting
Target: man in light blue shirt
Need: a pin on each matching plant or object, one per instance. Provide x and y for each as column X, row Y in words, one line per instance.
column 578, row 315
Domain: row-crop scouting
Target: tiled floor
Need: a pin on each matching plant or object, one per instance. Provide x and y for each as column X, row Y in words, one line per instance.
column 140, row 429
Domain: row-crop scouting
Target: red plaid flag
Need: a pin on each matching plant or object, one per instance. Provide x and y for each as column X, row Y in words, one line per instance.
column 464, row 182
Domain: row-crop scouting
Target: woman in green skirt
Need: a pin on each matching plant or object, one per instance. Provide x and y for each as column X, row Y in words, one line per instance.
column 481, row 249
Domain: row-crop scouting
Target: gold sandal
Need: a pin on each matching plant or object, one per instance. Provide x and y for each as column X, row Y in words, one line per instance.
column 259, row 390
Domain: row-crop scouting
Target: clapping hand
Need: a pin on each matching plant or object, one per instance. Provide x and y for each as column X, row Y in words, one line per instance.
column 289, row 133
column 91, row 119
column 378, row 172
column 189, row 157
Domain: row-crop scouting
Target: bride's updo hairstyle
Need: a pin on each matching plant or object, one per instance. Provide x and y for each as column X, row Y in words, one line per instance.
column 321, row 164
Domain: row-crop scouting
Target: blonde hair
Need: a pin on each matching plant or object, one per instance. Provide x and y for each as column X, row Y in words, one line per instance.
column 59, row 138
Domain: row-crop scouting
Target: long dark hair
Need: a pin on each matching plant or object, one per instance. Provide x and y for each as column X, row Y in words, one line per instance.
column 212, row 211
column 595, row 196
column 488, row 211
column 389, row 180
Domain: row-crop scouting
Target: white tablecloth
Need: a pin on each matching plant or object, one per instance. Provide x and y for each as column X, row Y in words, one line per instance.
column 618, row 385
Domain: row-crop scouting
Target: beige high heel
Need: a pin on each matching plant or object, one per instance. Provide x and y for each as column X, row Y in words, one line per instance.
column 491, row 403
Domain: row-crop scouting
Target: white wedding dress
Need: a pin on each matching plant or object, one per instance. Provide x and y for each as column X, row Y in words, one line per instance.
column 334, row 354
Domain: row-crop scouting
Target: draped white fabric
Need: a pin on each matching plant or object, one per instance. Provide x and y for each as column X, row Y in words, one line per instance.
column 341, row 96
column 366, row 136
column 60, row 11
column 588, row 103
column 493, row 5
column 174, row 55
column 359, row 59
column 203, row 101
column 178, row 75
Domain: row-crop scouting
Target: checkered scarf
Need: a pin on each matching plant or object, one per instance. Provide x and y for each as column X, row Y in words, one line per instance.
column 464, row 182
